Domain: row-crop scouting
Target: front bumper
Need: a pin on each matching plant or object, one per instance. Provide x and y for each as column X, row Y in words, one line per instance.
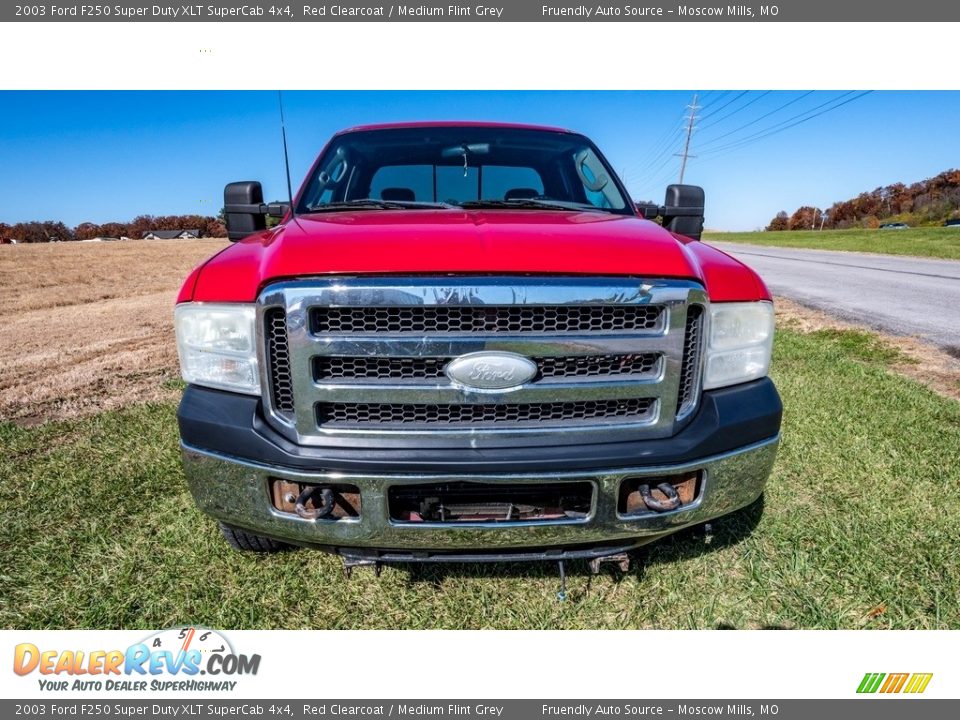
column 230, row 461
column 236, row 492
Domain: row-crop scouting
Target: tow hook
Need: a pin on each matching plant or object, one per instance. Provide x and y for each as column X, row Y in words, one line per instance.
column 621, row 560
column 671, row 503
column 321, row 509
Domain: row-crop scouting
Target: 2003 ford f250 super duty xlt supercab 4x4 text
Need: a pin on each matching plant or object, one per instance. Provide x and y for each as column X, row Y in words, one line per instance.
column 464, row 341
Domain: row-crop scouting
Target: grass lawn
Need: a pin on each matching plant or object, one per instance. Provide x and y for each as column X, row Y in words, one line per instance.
column 860, row 529
column 937, row 242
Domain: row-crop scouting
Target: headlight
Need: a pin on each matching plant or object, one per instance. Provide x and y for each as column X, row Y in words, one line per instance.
column 740, row 343
column 217, row 346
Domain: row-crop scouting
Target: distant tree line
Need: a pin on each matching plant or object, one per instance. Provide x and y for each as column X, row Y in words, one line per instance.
column 54, row 231
column 928, row 202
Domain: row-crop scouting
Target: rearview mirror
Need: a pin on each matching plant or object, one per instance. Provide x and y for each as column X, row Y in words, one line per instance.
column 683, row 210
column 243, row 209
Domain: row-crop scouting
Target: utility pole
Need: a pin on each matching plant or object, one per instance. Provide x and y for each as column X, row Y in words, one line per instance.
column 686, row 146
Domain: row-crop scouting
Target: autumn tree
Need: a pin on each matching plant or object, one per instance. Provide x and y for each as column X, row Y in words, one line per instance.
column 54, row 230
column 929, row 201
column 780, row 222
column 216, row 229
column 115, row 230
column 803, row 218
column 87, row 230
column 141, row 224
column 36, row 231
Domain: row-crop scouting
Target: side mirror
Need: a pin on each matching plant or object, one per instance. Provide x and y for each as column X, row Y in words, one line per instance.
column 244, row 211
column 683, row 210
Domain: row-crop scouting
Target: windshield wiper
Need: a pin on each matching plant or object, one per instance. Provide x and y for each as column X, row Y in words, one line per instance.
column 531, row 203
column 374, row 204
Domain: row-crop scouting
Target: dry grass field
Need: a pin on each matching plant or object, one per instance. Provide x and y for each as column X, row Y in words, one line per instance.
column 89, row 326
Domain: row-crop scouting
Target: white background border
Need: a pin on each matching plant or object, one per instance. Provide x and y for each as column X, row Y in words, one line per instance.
column 562, row 56
column 559, row 664
column 567, row 56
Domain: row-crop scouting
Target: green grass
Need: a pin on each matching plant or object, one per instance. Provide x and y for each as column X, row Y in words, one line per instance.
column 860, row 529
column 920, row 242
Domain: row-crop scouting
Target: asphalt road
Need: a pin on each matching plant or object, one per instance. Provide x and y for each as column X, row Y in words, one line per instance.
column 899, row 295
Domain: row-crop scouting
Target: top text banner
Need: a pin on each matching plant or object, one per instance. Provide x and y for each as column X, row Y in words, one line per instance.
column 490, row 11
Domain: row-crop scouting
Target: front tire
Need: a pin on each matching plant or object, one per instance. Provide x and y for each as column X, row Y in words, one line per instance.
column 248, row 542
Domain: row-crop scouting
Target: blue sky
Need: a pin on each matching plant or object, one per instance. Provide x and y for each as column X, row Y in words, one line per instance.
column 101, row 156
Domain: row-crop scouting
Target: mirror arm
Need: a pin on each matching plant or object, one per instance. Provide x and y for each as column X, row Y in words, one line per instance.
column 271, row 209
column 650, row 212
column 675, row 211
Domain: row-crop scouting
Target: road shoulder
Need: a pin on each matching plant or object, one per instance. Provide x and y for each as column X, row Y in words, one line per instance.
column 925, row 363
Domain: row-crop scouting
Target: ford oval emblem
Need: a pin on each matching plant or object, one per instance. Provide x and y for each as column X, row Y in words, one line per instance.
column 491, row 370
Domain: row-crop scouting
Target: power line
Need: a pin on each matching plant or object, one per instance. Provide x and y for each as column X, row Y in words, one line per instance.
column 659, row 148
column 646, row 178
column 790, row 122
column 757, row 137
column 808, row 111
column 708, row 101
column 663, row 153
column 657, row 179
column 738, row 109
column 729, row 102
column 717, row 99
column 758, row 119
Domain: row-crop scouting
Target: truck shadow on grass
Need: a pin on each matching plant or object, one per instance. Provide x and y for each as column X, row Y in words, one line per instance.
column 686, row 544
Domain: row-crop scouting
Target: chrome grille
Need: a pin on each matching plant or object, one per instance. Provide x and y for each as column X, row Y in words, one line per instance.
column 278, row 354
column 689, row 369
column 362, row 360
column 430, row 415
column 425, row 368
column 486, row 319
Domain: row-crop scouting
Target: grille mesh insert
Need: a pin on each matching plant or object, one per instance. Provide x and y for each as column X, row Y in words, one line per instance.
column 379, row 368
column 691, row 358
column 487, row 319
column 408, row 414
column 431, row 368
column 278, row 357
column 598, row 365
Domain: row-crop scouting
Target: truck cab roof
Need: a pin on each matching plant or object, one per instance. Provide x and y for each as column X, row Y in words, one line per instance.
column 451, row 124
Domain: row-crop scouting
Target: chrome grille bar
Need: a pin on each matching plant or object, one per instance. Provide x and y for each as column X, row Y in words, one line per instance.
column 444, row 319
column 371, row 367
column 514, row 414
column 649, row 320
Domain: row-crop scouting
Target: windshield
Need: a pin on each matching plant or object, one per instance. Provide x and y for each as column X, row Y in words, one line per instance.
column 469, row 167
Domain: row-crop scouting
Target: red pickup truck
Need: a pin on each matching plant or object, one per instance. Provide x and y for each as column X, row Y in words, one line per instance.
column 463, row 341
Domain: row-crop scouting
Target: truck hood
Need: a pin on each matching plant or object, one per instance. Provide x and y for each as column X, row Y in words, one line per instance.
column 427, row 242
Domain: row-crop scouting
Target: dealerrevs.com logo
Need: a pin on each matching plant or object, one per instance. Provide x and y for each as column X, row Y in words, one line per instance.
column 173, row 659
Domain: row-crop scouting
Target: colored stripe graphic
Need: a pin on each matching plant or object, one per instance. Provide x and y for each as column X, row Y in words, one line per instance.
column 870, row 682
column 918, row 682
column 894, row 683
